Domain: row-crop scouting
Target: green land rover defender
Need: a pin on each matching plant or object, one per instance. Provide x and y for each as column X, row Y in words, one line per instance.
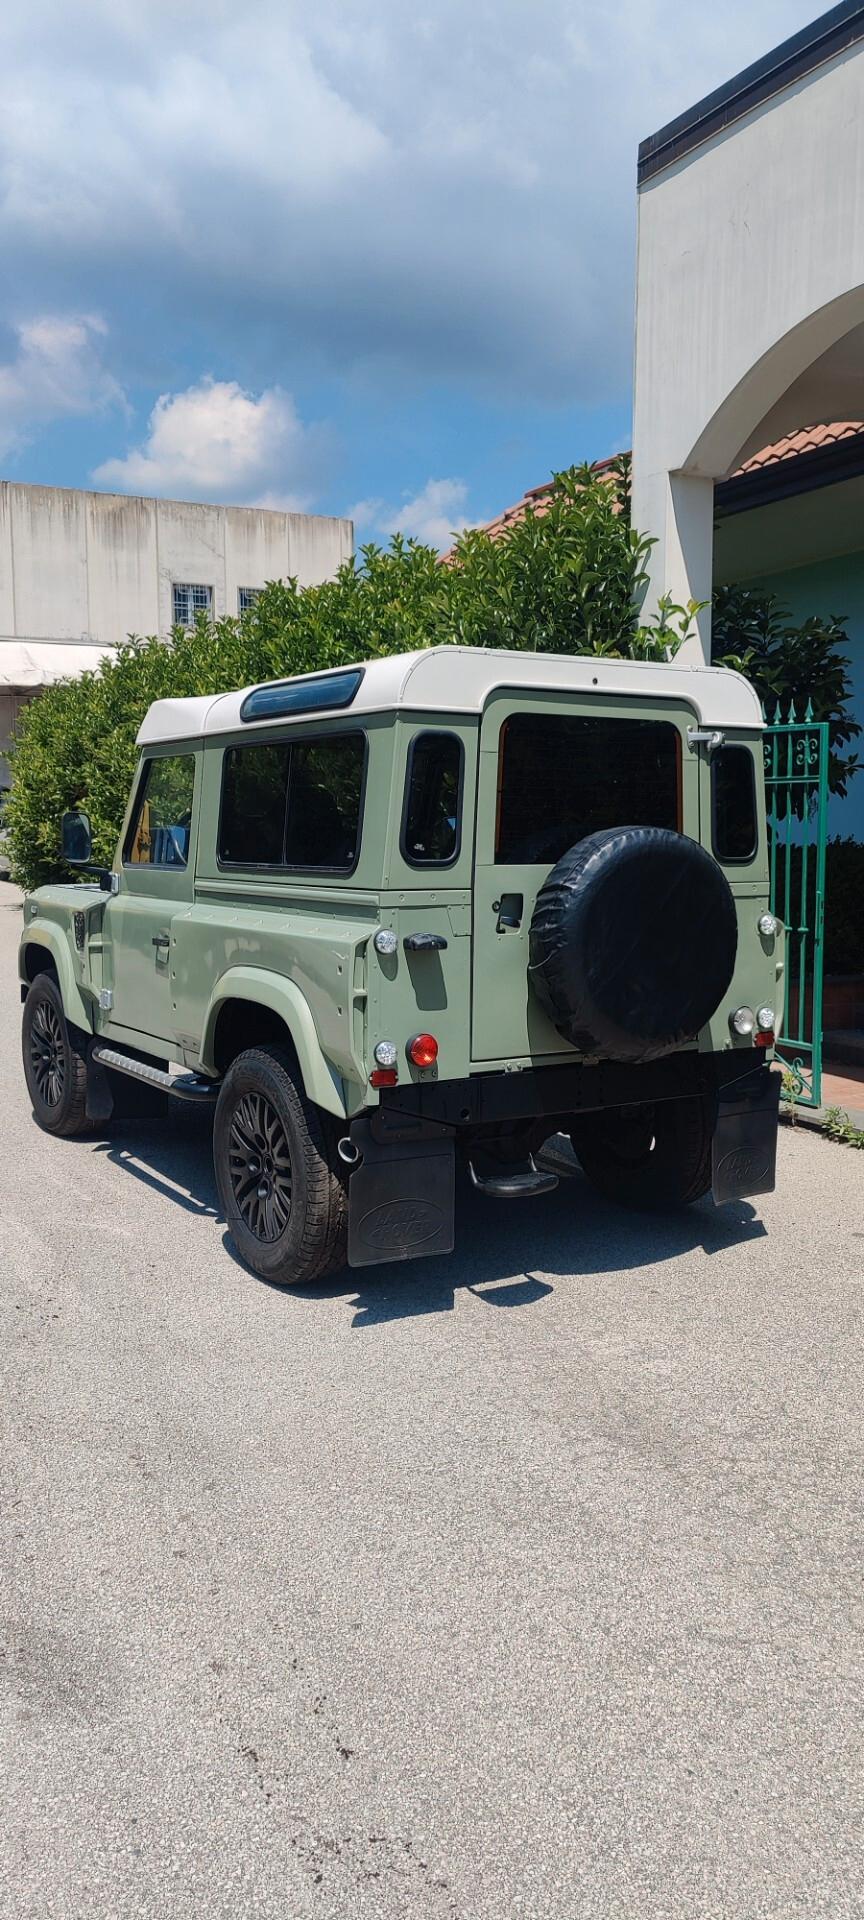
column 457, row 902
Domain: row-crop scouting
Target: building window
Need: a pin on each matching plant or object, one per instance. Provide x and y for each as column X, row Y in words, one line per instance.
column 159, row 834
column 246, row 598
column 189, row 600
column 562, row 777
column 293, row 804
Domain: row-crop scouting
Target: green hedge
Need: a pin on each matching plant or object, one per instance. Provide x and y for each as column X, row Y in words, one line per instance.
column 562, row 580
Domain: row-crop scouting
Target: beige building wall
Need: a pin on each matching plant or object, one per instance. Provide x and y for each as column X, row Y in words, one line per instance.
column 750, row 286
column 80, row 571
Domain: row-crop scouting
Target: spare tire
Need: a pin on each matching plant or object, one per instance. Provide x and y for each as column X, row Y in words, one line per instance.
column 632, row 943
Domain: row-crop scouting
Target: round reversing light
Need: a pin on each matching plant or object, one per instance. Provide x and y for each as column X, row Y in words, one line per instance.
column 743, row 1021
column 385, row 940
column 765, row 1019
column 386, row 1053
column 767, row 925
column 423, row 1050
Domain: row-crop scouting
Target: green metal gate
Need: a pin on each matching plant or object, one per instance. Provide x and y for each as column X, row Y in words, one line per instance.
column 796, row 783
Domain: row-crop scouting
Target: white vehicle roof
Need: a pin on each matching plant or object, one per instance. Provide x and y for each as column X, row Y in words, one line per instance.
column 461, row 680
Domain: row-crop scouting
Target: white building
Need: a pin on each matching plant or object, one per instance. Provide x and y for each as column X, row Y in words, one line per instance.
column 750, row 291
column 80, row 571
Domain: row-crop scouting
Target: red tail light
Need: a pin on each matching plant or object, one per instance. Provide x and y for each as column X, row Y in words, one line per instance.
column 763, row 1039
column 423, row 1050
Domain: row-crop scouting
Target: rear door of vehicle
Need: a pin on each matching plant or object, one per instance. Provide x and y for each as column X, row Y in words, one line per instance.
column 553, row 770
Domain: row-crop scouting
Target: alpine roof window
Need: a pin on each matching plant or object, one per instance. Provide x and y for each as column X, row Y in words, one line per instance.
column 322, row 693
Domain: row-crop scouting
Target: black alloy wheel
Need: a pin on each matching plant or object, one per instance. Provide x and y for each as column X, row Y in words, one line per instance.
column 47, row 1053
column 281, row 1185
column 55, row 1069
column 260, row 1166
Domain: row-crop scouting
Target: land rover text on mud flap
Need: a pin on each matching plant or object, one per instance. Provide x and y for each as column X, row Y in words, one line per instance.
column 454, row 902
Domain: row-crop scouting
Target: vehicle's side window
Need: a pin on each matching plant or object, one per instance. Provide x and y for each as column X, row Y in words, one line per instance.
column 432, row 823
column 159, row 834
column 254, row 789
column 293, row 804
column 733, row 795
column 563, row 776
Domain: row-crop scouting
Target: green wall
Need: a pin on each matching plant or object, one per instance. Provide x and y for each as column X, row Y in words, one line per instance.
column 832, row 587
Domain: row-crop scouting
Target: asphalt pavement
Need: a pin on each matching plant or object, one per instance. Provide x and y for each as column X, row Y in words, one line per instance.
column 521, row 1585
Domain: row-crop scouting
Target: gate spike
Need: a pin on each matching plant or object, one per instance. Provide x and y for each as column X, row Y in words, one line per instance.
column 808, row 711
column 793, row 717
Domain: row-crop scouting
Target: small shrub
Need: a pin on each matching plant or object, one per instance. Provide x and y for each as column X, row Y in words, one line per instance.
column 840, row 1128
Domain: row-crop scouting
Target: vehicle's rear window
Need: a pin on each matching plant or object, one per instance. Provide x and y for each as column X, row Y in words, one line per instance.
column 563, row 776
column 293, row 804
column 433, row 799
column 733, row 790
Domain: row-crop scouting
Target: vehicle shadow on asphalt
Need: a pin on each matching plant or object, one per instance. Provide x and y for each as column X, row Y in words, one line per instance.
column 508, row 1253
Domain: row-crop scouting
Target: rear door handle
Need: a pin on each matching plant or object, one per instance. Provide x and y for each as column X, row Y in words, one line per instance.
column 161, row 940
column 509, row 911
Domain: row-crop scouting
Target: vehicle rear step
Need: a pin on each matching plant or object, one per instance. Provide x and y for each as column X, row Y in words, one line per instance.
column 519, row 1182
column 181, row 1086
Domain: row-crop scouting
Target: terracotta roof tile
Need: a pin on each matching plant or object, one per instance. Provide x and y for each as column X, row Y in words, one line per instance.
column 807, row 440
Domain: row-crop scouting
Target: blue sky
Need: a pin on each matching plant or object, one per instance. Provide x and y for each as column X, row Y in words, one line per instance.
column 375, row 261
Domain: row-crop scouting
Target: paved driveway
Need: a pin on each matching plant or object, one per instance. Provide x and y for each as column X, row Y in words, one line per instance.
column 526, row 1583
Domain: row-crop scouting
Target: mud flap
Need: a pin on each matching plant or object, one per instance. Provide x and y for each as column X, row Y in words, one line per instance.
column 400, row 1198
column 744, row 1149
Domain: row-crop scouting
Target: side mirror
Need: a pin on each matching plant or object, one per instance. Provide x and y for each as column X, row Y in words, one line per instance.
column 76, row 839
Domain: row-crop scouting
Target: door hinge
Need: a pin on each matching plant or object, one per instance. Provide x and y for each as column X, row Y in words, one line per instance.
column 106, row 999
column 708, row 737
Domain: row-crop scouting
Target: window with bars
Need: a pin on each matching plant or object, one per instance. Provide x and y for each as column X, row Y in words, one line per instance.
column 190, row 598
column 246, row 598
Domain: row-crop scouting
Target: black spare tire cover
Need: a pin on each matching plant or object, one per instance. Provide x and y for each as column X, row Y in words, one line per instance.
column 632, row 943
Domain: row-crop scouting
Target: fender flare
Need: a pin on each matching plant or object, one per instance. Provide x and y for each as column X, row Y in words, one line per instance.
column 261, row 988
column 41, row 933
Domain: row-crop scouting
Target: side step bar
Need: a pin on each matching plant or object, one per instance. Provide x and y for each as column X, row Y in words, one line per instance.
column 514, row 1183
column 181, row 1086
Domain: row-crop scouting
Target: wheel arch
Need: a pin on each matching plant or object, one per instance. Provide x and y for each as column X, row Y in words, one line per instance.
column 247, row 1008
column 43, row 949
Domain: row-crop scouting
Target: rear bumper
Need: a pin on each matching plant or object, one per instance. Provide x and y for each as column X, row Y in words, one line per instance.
column 539, row 1092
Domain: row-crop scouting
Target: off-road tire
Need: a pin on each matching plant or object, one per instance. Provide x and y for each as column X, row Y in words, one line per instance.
column 292, row 1234
column 56, row 1075
column 650, row 1157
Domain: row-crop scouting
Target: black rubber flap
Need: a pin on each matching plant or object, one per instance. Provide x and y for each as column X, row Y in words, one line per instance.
column 633, row 942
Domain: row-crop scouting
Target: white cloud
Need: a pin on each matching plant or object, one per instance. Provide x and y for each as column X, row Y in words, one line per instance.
column 375, row 190
column 57, row 370
column 216, row 442
column 434, row 514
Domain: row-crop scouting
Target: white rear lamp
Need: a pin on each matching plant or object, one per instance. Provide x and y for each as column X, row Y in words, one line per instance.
column 768, row 926
column 385, row 940
column 765, row 1019
column 743, row 1022
column 386, row 1054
